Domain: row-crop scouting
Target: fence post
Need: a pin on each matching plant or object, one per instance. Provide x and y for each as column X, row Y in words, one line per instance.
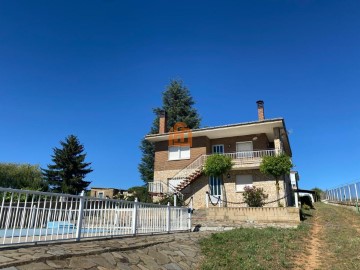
column 134, row 216
column 190, row 212
column 296, row 199
column 33, row 216
column 168, row 218
column 175, row 199
column 349, row 193
column 80, row 217
column 356, row 192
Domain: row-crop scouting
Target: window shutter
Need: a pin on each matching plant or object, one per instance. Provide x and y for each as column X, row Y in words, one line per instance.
column 173, row 152
column 242, row 181
column 185, row 152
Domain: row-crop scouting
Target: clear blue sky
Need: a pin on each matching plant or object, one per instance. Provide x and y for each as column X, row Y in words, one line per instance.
column 97, row 68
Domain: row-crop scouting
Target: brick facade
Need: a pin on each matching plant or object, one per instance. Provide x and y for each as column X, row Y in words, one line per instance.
column 264, row 135
column 202, row 146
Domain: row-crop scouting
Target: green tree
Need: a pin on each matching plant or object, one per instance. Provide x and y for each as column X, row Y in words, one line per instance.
column 217, row 165
column 178, row 103
column 318, row 193
column 140, row 192
column 276, row 166
column 67, row 173
column 22, row 176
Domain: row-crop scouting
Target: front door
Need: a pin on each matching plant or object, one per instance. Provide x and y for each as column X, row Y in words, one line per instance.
column 244, row 149
column 215, row 185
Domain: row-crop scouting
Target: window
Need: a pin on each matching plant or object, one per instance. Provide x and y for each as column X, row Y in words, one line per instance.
column 218, row 149
column 101, row 195
column 242, row 181
column 179, row 152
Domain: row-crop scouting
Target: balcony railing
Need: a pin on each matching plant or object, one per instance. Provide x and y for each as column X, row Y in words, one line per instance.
column 156, row 187
column 240, row 160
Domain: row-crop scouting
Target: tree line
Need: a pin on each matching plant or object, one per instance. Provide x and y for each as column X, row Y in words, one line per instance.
column 69, row 167
column 65, row 175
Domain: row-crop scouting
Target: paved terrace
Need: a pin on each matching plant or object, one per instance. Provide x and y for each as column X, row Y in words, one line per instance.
column 169, row 251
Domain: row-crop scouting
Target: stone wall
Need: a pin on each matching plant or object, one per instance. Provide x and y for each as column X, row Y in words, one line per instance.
column 231, row 215
column 164, row 175
column 198, row 190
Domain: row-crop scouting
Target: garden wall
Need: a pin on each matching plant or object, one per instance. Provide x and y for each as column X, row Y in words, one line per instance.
column 237, row 216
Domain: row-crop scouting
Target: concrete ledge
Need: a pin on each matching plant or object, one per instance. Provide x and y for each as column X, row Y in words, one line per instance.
column 263, row 215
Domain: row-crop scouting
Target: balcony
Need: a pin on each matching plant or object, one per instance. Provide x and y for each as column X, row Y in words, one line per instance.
column 241, row 160
column 250, row 159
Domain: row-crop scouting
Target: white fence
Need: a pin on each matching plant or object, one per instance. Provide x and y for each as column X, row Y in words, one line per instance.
column 347, row 193
column 30, row 216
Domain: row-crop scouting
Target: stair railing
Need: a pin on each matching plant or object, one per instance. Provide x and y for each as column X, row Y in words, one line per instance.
column 191, row 168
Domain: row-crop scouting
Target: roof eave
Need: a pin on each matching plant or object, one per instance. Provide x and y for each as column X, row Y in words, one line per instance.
column 164, row 136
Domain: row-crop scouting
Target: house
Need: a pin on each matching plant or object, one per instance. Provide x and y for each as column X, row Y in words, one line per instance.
column 110, row 193
column 181, row 153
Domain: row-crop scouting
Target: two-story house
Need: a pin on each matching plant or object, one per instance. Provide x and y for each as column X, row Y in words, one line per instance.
column 178, row 168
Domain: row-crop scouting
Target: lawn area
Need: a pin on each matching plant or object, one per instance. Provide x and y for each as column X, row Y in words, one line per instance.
column 249, row 248
column 339, row 237
column 328, row 239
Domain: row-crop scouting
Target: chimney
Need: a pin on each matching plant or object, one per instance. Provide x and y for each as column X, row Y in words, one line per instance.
column 260, row 107
column 162, row 122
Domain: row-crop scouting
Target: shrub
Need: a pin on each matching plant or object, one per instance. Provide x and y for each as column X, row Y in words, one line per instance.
column 254, row 197
column 217, row 165
column 170, row 199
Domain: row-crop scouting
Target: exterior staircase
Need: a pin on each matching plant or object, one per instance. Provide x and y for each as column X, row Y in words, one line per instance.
column 186, row 176
column 189, row 174
column 191, row 178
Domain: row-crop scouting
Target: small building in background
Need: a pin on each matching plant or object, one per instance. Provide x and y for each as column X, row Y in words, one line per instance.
column 110, row 193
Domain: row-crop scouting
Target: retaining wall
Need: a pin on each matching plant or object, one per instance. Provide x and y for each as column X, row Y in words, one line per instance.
column 228, row 215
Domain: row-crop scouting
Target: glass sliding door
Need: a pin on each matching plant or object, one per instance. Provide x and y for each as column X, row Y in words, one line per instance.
column 215, row 186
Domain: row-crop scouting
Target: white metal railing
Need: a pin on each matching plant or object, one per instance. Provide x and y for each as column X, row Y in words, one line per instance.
column 31, row 216
column 156, row 187
column 240, row 159
column 347, row 193
column 169, row 188
column 191, row 168
column 250, row 157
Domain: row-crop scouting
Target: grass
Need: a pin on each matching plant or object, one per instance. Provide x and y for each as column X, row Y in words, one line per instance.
column 337, row 238
column 250, row 248
column 340, row 237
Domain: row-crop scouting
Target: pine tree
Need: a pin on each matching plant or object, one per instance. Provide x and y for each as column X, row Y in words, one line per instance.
column 178, row 105
column 67, row 173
